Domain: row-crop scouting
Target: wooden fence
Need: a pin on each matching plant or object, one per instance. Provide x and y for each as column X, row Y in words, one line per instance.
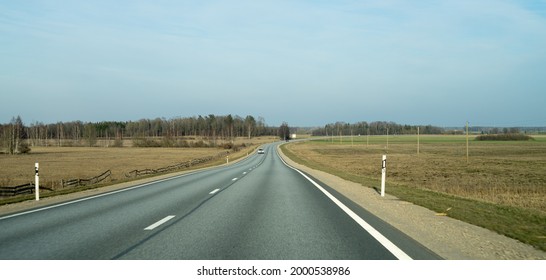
column 21, row 189
column 86, row 182
column 185, row 164
column 29, row 188
column 17, row 190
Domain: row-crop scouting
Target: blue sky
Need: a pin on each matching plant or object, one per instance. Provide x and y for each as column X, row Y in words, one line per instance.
column 305, row 62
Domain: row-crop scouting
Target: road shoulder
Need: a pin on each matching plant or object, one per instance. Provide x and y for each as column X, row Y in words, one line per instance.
column 9, row 209
column 450, row 238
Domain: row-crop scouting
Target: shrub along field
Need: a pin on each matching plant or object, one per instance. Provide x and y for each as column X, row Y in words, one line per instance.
column 502, row 186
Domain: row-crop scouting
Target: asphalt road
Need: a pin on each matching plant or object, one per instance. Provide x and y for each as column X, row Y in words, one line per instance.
column 258, row 208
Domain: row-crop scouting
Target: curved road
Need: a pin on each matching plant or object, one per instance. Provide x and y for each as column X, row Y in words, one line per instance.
column 259, row 208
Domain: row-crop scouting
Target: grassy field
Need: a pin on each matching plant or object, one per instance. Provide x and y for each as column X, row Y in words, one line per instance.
column 502, row 186
column 63, row 163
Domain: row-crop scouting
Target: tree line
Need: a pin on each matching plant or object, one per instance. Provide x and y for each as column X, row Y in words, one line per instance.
column 15, row 137
column 374, row 128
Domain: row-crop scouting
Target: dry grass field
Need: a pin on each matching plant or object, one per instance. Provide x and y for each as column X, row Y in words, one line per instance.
column 502, row 187
column 63, row 163
column 503, row 172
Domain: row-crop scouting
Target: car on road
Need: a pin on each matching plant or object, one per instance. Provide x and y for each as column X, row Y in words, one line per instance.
column 261, row 151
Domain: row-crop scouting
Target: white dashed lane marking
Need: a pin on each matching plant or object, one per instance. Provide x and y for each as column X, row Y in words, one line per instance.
column 160, row 222
column 214, row 191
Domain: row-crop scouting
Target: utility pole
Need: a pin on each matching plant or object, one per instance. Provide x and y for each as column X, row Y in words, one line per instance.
column 387, row 138
column 368, row 138
column 417, row 140
column 467, row 142
column 383, row 174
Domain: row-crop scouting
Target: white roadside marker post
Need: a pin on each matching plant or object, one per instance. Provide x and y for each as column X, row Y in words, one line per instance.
column 37, row 182
column 383, row 174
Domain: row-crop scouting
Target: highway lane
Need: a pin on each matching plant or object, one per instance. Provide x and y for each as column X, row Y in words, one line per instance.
column 256, row 209
column 101, row 227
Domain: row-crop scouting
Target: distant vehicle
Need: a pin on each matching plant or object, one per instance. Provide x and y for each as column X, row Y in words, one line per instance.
column 261, row 151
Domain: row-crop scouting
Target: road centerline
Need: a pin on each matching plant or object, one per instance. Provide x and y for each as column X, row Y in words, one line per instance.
column 160, row 222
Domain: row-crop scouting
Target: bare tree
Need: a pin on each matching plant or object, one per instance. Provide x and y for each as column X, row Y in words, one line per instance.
column 284, row 131
column 13, row 136
column 250, row 124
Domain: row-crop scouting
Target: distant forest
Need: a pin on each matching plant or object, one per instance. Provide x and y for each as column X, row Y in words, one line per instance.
column 15, row 137
column 391, row 128
column 374, row 128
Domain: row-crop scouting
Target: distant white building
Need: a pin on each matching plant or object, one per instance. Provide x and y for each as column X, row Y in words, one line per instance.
column 293, row 136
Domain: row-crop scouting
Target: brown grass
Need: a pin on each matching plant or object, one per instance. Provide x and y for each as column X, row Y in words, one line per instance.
column 62, row 163
column 506, row 173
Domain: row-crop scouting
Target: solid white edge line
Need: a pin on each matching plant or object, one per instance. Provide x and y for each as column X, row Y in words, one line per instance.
column 160, row 222
column 397, row 252
column 96, row 196
column 214, row 191
column 93, row 197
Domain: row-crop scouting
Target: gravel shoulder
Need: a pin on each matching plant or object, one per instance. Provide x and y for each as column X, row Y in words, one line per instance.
column 450, row 238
